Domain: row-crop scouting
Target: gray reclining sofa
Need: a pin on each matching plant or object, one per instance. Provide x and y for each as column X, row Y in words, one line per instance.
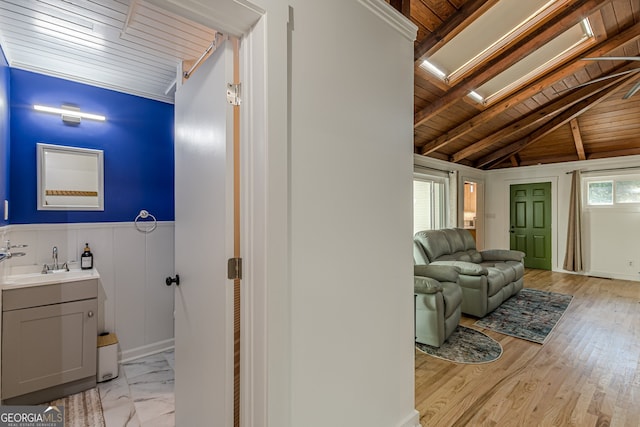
column 487, row 278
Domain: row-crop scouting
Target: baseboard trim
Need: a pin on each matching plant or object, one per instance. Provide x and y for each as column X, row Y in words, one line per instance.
column 412, row 420
column 145, row 350
column 601, row 274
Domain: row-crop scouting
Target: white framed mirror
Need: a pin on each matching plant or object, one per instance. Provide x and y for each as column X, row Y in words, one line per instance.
column 70, row 178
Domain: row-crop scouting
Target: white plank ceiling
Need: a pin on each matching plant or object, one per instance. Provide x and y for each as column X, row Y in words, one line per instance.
column 131, row 46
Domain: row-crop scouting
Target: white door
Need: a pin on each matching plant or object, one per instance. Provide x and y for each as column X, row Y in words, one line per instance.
column 203, row 243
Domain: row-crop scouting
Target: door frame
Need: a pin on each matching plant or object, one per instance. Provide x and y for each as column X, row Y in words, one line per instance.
column 480, row 210
column 248, row 22
column 253, row 225
column 554, row 212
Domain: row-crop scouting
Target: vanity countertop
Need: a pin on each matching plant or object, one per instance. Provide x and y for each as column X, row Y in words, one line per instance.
column 24, row 279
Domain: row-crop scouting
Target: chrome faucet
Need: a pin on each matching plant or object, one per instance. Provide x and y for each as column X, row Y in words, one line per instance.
column 5, row 253
column 55, row 258
column 55, row 266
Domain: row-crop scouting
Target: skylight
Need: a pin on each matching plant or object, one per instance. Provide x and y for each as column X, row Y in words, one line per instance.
column 503, row 23
column 536, row 63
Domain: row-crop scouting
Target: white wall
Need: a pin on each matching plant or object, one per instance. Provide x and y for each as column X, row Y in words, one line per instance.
column 133, row 298
column 619, row 229
column 351, row 275
column 334, row 293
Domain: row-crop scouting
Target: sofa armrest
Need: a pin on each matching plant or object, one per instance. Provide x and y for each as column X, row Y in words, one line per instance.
column 442, row 273
column 502, row 255
column 464, row 267
column 426, row 285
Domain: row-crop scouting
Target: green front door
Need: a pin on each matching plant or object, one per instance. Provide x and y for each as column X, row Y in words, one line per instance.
column 531, row 223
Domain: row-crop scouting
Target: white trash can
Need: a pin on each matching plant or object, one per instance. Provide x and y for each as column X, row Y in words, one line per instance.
column 107, row 357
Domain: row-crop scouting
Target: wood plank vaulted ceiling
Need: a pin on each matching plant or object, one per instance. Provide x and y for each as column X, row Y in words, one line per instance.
column 542, row 120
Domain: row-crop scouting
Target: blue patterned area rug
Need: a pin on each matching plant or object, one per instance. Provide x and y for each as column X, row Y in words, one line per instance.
column 531, row 315
column 465, row 345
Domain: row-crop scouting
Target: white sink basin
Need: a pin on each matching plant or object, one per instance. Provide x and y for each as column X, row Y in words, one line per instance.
column 36, row 279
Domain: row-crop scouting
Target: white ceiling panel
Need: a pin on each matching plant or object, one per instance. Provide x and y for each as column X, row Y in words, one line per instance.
column 131, row 46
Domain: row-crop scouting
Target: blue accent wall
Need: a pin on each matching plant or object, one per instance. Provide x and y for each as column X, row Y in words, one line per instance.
column 137, row 139
column 4, row 134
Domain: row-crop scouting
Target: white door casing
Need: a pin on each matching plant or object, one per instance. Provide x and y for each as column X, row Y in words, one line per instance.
column 203, row 243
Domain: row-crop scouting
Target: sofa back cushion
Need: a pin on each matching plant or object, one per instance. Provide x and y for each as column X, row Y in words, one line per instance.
column 468, row 241
column 450, row 244
column 434, row 243
column 455, row 240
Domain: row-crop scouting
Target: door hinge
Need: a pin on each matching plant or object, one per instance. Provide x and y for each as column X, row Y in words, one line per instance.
column 234, row 268
column 233, row 93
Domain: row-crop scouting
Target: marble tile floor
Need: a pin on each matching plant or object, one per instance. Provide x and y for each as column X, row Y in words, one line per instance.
column 142, row 395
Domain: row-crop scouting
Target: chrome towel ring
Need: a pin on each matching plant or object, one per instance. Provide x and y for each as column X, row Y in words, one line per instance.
column 145, row 215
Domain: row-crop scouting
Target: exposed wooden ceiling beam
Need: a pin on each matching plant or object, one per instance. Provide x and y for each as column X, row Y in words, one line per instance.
column 571, row 15
column 451, row 27
column 542, row 113
column 500, row 107
column 577, row 139
column 515, row 161
column 560, row 120
column 402, row 6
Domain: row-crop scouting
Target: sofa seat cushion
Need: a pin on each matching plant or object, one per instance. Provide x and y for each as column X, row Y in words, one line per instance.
column 475, row 256
column 495, row 280
column 452, row 297
column 508, row 271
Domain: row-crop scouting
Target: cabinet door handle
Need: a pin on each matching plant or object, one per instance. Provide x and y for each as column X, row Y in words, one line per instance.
column 90, row 314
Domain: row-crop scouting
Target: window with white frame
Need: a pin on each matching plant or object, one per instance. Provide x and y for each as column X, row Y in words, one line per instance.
column 627, row 191
column 612, row 191
column 429, row 203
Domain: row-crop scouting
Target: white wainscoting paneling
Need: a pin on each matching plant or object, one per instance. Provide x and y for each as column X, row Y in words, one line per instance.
column 133, row 299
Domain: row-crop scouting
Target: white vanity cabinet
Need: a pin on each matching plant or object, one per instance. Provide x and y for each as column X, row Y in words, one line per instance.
column 49, row 336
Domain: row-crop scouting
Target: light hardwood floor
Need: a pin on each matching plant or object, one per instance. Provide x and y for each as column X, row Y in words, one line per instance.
column 586, row 374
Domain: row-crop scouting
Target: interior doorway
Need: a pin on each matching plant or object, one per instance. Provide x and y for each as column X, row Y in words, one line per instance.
column 530, row 223
column 470, row 207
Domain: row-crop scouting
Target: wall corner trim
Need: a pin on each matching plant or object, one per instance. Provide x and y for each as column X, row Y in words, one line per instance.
column 391, row 16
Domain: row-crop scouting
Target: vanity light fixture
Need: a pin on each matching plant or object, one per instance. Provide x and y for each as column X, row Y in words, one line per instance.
column 69, row 114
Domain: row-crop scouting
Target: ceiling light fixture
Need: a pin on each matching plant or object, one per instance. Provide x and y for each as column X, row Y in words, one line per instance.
column 69, row 114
